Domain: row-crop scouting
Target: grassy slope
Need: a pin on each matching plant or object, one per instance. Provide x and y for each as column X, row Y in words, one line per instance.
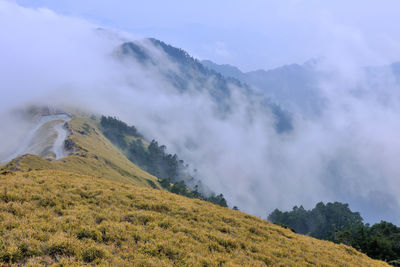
column 54, row 216
column 92, row 207
column 95, row 156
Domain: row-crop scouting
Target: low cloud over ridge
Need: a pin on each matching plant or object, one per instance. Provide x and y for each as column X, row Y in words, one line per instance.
column 348, row 153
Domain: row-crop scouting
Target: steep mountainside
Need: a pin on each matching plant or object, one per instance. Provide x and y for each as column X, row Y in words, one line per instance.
column 189, row 74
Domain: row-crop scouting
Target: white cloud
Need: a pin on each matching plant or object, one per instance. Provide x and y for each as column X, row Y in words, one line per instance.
column 350, row 153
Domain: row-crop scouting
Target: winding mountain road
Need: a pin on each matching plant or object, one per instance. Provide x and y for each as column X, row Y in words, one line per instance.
column 58, row 144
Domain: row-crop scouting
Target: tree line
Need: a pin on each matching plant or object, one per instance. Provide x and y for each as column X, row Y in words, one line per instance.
column 171, row 171
column 336, row 222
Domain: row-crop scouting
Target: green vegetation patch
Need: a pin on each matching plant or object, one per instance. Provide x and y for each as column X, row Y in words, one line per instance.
column 337, row 223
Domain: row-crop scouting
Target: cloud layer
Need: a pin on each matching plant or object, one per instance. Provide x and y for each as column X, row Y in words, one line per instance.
column 348, row 153
column 256, row 34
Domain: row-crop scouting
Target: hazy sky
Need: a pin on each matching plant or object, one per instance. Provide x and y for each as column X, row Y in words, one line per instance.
column 253, row 34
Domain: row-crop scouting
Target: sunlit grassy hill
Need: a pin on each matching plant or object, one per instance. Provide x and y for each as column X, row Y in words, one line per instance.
column 93, row 155
column 52, row 217
column 97, row 207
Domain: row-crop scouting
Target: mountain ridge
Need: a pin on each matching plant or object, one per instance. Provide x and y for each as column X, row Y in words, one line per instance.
column 92, row 154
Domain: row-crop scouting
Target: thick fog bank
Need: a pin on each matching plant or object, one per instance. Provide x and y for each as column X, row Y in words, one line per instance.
column 348, row 153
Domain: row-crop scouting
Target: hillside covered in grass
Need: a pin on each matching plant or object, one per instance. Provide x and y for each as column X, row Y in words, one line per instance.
column 55, row 217
column 90, row 153
column 102, row 205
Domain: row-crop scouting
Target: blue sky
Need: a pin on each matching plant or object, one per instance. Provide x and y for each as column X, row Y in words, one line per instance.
column 253, row 34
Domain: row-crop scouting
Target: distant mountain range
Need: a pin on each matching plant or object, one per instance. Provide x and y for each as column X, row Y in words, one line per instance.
column 295, row 87
column 292, row 86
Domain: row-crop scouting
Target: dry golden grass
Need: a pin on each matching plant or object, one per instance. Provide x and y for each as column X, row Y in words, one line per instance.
column 95, row 156
column 93, row 208
column 64, row 218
